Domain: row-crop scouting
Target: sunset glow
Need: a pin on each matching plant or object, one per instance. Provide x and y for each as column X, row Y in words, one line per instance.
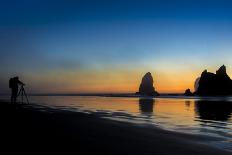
column 107, row 46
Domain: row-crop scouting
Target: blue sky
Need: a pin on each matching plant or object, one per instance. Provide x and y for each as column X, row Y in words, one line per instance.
column 68, row 40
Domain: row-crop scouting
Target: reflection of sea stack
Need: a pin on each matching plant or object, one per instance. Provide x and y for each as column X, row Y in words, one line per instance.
column 146, row 105
column 213, row 110
column 146, row 87
column 215, row 84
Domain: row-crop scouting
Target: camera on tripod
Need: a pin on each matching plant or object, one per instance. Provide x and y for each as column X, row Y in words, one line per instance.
column 22, row 93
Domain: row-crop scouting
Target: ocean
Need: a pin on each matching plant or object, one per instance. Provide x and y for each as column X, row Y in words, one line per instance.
column 210, row 116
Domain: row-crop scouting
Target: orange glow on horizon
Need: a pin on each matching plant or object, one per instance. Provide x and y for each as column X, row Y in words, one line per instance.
column 107, row 81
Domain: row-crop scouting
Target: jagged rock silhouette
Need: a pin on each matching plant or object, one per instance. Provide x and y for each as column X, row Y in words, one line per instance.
column 188, row 92
column 215, row 84
column 146, row 87
column 196, row 84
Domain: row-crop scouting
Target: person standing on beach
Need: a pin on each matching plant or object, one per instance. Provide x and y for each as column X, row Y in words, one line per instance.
column 13, row 84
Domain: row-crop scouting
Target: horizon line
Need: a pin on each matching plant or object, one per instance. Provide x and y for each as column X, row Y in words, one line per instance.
column 89, row 93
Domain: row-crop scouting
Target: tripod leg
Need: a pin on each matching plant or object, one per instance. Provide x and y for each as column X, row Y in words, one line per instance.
column 25, row 96
column 22, row 97
column 19, row 93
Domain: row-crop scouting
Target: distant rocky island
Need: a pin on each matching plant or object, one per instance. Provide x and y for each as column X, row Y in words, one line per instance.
column 208, row 84
column 214, row 84
column 146, row 87
column 188, row 92
column 211, row 84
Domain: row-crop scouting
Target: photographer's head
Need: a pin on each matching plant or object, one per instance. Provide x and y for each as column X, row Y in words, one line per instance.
column 16, row 78
column 17, row 81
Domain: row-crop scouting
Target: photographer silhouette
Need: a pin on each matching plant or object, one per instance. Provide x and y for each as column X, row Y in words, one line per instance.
column 13, row 84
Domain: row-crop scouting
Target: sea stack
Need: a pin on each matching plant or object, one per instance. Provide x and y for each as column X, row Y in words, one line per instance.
column 188, row 92
column 215, row 84
column 146, row 87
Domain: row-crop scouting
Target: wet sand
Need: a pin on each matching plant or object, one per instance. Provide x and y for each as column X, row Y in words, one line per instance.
column 26, row 129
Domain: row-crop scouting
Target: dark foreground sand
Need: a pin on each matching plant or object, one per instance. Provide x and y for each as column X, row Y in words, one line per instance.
column 25, row 129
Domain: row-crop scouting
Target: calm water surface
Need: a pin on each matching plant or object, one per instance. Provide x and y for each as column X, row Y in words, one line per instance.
column 192, row 115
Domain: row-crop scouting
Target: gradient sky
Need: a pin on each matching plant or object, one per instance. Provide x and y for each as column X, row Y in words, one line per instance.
column 75, row 46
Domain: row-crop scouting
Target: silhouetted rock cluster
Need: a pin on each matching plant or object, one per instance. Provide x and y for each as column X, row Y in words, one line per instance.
column 215, row 84
column 188, row 92
column 146, row 87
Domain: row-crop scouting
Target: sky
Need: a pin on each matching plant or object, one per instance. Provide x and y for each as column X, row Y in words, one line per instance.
column 94, row 46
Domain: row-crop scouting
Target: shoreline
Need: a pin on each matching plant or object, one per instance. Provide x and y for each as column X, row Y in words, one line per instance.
column 130, row 95
column 162, row 96
column 88, row 133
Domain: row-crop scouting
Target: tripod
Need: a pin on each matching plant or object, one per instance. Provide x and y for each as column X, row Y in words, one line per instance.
column 23, row 94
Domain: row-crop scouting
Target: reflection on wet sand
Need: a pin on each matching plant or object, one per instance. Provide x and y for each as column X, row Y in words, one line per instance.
column 185, row 115
column 146, row 105
column 213, row 110
column 187, row 103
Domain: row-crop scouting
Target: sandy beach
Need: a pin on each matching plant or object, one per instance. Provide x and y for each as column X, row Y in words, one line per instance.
column 25, row 128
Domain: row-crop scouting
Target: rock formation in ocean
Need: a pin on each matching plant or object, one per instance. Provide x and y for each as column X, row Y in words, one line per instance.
column 215, row 84
column 196, row 84
column 188, row 92
column 146, row 87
